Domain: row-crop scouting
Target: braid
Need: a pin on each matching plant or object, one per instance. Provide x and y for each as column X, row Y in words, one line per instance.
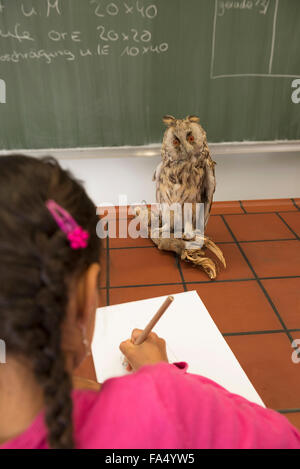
column 49, row 366
column 36, row 256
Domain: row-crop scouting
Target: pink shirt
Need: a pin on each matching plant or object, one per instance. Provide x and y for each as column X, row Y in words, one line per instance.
column 163, row 406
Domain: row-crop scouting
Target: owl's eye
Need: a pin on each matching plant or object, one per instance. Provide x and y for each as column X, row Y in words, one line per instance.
column 176, row 142
column 190, row 138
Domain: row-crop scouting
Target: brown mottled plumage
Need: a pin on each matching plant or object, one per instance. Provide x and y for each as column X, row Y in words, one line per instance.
column 186, row 173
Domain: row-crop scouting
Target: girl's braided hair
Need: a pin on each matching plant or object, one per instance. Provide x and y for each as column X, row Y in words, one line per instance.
column 36, row 266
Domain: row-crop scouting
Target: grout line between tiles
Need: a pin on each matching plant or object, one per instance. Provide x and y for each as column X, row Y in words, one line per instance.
column 219, row 242
column 142, row 285
column 279, row 277
column 202, row 281
column 180, row 272
column 241, row 203
column 233, row 334
column 288, row 411
column 132, row 247
column 259, row 282
column 288, row 226
column 244, row 211
column 253, row 213
column 244, row 279
column 266, row 240
column 295, row 204
column 242, row 207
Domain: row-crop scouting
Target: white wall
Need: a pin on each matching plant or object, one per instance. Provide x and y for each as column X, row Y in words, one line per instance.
column 239, row 176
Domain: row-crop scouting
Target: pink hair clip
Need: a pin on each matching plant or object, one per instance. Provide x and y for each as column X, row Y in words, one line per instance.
column 77, row 236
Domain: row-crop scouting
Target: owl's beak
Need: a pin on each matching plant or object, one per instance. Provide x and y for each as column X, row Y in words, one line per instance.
column 188, row 150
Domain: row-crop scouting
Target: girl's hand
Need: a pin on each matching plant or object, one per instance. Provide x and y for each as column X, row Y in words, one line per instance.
column 152, row 351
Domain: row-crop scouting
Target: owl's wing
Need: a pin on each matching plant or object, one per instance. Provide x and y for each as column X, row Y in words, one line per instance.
column 157, row 172
column 156, row 176
column 209, row 186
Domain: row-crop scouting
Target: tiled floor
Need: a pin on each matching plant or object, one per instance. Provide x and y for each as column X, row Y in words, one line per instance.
column 255, row 302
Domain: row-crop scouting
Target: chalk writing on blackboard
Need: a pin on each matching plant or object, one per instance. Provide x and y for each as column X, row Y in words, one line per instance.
column 38, row 55
column 133, row 34
column 53, row 4
column 30, row 12
column 62, row 36
column 260, row 6
column 16, row 33
column 47, row 8
column 296, row 92
column 253, row 9
column 2, row 91
column 134, row 51
column 112, row 9
column 108, row 40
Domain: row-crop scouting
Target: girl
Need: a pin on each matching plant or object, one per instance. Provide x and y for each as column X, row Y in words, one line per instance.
column 49, row 274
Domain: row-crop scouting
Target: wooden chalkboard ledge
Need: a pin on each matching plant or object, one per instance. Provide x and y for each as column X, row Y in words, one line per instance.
column 281, row 146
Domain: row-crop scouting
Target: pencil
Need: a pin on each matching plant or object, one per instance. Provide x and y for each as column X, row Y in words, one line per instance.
column 143, row 335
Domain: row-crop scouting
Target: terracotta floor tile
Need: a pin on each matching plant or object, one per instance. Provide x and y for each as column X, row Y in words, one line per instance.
column 237, row 306
column 274, row 258
column 130, row 242
column 294, row 418
column 293, row 220
column 258, row 227
column 285, row 294
column 103, row 273
column 266, row 359
column 123, row 295
column 268, row 205
column 237, row 267
column 219, row 208
column 217, row 230
column 142, row 267
column 102, row 298
column 116, row 242
column 86, row 369
column 121, row 227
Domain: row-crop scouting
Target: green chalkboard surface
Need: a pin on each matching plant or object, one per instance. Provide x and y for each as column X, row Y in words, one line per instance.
column 90, row 73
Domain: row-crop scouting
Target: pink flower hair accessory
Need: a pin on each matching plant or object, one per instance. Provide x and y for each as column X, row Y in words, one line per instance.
column 77, row 236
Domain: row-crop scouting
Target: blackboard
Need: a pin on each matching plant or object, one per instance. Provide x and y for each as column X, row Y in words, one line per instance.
column 93, row 73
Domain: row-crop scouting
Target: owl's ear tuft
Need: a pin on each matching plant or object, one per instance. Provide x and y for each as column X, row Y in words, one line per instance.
column 169, row 120
column 193, row 119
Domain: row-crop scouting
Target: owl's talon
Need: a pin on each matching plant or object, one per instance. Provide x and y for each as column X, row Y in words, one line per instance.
column 206, row 263
column 209, row 244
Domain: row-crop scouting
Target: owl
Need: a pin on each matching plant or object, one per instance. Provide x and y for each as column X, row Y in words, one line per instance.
column 186, row 173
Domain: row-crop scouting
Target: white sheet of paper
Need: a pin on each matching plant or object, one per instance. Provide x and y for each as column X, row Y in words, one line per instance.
column 189, row 331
